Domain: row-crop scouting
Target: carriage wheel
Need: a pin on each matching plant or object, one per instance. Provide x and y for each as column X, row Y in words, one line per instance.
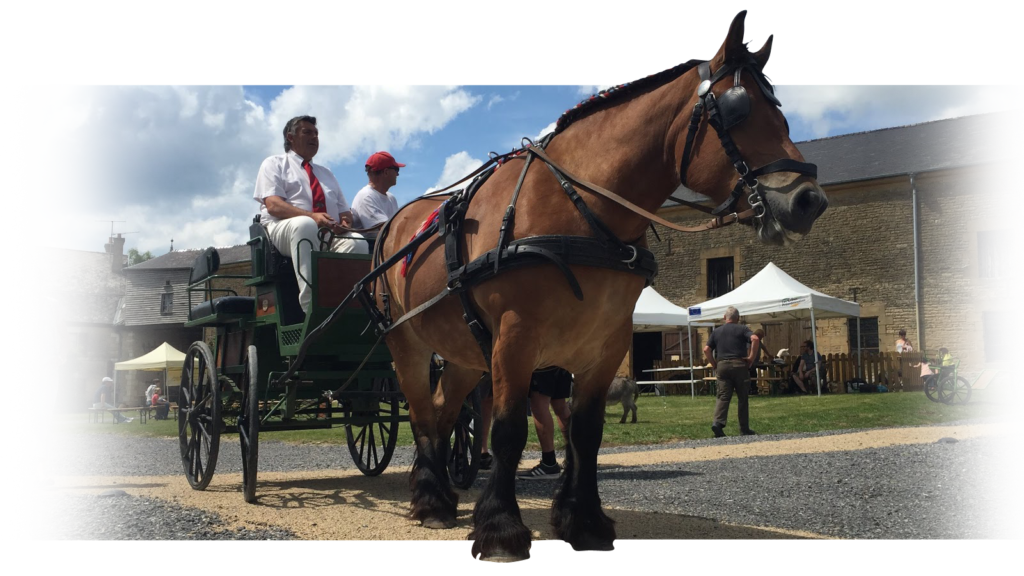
column 954, row 391
column 931, row 388
column 249, row 425
column 464, row 455
column 199, row 420
column 372, row 442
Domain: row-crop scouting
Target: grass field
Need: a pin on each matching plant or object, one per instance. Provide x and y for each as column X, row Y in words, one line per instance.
column 672, row 418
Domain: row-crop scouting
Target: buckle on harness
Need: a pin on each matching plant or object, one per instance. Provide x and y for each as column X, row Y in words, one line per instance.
column 632, row 259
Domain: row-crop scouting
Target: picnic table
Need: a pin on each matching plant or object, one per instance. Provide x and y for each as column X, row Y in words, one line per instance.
column 97, row 414
column 770, row 377
column 694, row 379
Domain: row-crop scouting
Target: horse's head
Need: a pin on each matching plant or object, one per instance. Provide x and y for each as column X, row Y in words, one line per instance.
column 740, row 154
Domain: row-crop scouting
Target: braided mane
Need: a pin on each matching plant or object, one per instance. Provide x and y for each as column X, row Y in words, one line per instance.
column 615, row 94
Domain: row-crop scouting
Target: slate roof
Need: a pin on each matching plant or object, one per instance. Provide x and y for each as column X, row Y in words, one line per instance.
column 183, row 259
column 83, row 286
column 928, row 146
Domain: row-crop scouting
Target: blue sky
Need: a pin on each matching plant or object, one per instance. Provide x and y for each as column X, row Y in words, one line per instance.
column 179, row 161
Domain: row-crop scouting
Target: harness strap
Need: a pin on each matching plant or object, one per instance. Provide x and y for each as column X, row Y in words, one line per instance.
column 717, row 222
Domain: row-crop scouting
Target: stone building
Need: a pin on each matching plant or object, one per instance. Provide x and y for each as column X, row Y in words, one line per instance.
column 156, row 307
column 904, row 235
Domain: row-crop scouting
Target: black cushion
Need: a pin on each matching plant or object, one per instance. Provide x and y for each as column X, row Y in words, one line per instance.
column 223, row 305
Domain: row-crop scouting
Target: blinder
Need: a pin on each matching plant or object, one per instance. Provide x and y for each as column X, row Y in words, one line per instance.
column 725, row 112
column 733, row 106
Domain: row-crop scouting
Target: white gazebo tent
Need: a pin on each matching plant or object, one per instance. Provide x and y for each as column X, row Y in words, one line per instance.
column 772, row 295
column 163, row 358
column 654, row 313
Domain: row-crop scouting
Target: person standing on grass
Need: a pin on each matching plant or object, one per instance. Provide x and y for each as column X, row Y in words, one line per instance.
column 732, row 350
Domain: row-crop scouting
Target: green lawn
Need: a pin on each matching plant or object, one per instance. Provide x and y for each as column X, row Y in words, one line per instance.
column 671, row 418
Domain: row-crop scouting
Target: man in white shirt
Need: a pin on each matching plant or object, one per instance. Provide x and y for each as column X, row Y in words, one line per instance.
column 298, row 197
column 374, row 204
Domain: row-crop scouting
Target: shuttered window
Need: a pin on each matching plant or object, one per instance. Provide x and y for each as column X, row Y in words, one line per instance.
column 868, row 335
column 720, row 276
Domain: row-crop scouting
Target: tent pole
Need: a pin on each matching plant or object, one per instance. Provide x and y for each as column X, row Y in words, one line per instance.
column 689, row 342
column 814, row 355
column 860, row 357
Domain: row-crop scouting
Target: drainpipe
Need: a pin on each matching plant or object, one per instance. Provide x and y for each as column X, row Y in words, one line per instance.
column 917, row 262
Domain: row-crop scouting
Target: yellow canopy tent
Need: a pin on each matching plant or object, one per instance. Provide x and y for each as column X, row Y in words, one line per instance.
column 164, row 358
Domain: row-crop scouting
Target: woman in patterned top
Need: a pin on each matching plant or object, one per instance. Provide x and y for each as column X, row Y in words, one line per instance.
column 32, row 356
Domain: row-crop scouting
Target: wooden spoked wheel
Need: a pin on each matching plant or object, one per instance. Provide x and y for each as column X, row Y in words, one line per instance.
column 249, row 425
column 954, row 391
column 373, row 427
column 199, row 418
column 466, row 442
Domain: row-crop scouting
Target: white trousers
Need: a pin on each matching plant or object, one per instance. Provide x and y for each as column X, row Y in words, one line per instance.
column 287, row 236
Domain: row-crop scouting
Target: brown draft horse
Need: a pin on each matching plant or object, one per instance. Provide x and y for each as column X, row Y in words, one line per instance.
column 634, row 146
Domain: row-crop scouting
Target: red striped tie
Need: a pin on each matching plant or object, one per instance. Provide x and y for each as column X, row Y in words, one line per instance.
column 319, row 202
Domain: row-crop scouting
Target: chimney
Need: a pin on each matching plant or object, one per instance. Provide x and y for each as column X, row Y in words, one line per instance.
column 115, row 247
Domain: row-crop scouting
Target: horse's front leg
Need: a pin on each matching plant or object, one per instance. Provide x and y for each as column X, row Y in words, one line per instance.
column 576, row 514
column 499, row 534
column 434, row 503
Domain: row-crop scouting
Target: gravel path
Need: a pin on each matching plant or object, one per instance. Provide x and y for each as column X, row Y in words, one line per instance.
column 931, row 490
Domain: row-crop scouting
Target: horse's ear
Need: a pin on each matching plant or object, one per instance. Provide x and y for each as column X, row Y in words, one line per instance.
column 732, row 47
column 761, row 56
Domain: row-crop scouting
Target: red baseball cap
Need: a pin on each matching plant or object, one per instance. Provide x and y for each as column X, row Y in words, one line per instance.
column 382, row 161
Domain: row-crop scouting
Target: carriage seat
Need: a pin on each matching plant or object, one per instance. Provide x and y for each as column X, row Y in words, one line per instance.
column 267, row 261
column 204, row 267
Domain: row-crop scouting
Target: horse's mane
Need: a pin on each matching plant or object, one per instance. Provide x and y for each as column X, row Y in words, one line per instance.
column 616, row 94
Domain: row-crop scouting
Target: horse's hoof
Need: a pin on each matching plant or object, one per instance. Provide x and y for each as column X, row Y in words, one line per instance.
column 499, row 555
column 438, row 523
column 595, row 544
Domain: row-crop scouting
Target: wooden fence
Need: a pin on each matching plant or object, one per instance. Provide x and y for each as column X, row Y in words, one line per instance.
column 898, row 372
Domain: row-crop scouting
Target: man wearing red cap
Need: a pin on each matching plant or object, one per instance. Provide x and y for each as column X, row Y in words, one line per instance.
column 297, row 198
column 374, row 204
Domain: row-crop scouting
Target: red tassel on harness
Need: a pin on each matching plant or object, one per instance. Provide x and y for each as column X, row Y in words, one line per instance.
column 426, row 224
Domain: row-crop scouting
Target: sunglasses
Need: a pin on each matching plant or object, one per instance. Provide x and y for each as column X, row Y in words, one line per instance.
column 395, row 168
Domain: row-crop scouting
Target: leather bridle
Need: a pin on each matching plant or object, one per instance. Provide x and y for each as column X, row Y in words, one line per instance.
column 722, row 114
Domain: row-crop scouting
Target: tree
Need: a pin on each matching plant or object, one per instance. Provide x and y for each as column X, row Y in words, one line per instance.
column 136, row 257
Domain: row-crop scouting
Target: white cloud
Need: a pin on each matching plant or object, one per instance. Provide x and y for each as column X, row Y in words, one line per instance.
column 591, row 89
column 496, row 99
column 826, row 110
column 545, row 130
column 456, row 167
column 180, row 161
column 988, row 98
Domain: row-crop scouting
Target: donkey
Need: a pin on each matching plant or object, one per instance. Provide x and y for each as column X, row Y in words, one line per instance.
column 624, row 390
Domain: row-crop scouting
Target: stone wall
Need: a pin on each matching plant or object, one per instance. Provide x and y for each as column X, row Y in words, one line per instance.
column 864, row 240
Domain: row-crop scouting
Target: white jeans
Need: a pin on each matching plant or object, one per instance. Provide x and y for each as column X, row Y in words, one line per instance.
column 286, row 236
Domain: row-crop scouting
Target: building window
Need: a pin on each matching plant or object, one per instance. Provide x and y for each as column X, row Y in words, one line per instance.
column 994, row 254
column 868, row 335
column 1001, row 335
column 720, row 276
column 167, row 304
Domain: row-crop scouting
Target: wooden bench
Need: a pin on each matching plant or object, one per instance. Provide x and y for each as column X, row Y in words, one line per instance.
column 97, row 414
column 173, row 408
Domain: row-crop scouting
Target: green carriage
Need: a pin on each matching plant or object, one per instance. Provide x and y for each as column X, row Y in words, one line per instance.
column 272, row 367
